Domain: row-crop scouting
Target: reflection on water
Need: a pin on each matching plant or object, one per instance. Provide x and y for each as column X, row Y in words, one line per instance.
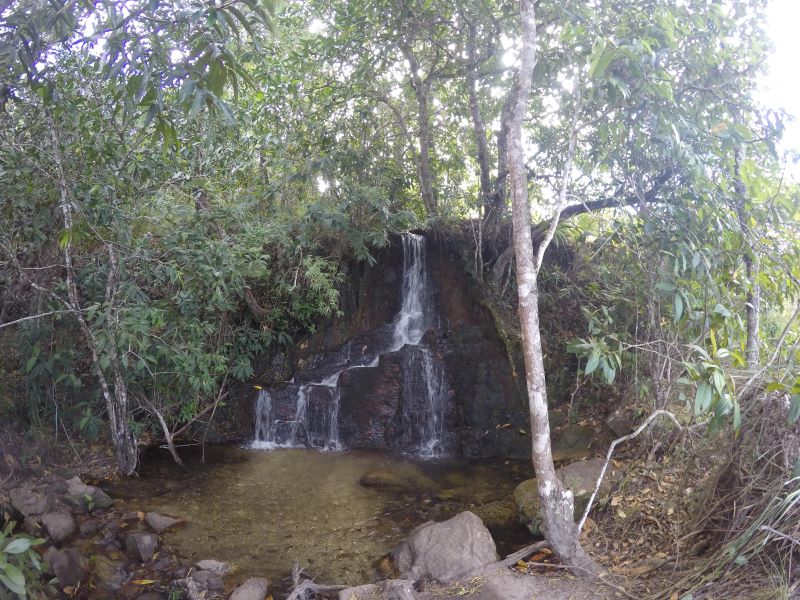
column 265, row 510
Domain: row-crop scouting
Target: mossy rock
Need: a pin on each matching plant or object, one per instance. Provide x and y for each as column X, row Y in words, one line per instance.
column 403, row 478
column 579, row 477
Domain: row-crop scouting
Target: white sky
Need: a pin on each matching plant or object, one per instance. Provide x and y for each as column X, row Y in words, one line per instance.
column 781, row 87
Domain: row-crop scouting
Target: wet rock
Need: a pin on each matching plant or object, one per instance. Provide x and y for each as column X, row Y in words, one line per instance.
column 160, row 523
column 66, row 564
column 500, row 513
column 29, row 502
column 445, row 552
column 209, row 580
column 88, row 528
column 141, row 546
column 403, row 478
column 579, row 477
column 109, row 574
column 134, row 515
column 59, row 526
column 254, row 588
column 87, row 498
column 392, row 589
column 215, row 566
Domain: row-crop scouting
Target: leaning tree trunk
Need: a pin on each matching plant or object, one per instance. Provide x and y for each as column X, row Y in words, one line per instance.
column 750, row 259
column 558, row 522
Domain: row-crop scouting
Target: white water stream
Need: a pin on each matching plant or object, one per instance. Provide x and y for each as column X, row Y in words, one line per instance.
column 424, row 381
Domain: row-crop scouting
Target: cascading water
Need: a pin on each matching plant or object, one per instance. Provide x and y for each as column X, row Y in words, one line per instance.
column 315, row 419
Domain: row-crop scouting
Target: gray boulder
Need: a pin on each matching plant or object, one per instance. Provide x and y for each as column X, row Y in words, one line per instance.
column 141, row 546
column 254, row 588
column 209, row 580
column 87, row 498
column 579, row 477
column 59, row 526
column 30, row 502
column 66, row 565
column 445, row 552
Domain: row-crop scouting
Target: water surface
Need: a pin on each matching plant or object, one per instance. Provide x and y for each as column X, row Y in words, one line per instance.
column 265, row 510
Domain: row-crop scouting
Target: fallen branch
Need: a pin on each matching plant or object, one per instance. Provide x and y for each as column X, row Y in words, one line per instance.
column 512, row 559
column 611, row 449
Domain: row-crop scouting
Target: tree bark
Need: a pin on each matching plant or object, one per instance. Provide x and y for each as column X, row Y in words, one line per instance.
column 116, row 397
column 557, row 502
column 750, row 259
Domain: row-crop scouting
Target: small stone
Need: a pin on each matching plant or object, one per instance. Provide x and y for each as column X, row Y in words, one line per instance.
column 141, row 546
column 59, row 526
column 134, row 515
column 33, row 525
column 109, row 574
column 87, row 498
column 254, row 588
column 160, row 523
column 66, row 564
column 215, row 566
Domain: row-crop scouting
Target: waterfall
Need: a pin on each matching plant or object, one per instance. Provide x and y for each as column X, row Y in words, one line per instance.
column 315, row 419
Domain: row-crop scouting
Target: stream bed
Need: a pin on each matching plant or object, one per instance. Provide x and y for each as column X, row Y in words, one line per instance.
column 263, row 511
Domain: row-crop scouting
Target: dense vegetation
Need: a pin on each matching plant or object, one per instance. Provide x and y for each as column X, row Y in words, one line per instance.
column 181, row 183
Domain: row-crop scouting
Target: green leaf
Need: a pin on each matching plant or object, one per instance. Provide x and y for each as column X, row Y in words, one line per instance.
column 18, row 546
column 678, row 307
column 594, row 360
column 13, row 578
column 794, row 409
column 702, row 399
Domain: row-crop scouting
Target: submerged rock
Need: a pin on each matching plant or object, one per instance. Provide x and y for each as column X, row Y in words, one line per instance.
column 403, row 478
column 444, row 552
column 391, row 589
column 215, row 566
column 254, row 588
column 160, row 523
column 579, row 477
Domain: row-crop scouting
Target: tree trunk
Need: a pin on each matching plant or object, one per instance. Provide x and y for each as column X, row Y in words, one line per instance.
column 424, row 175
column 558, row 521
column 750, row 259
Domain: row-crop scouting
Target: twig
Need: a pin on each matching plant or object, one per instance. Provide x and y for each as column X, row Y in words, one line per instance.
column 39, row 316
column 779, row 534
column 611, row 448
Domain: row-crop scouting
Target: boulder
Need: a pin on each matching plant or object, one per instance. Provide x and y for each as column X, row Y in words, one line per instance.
column 500, row 513
column 30, row 502
column 445, row 552
column 59, row 526
column 254, row 588
column 141, row 546
column 67, row 565
column 579, row 477
column 87, row 498
column 215, row 566
column 160, row 523
column 391, row 589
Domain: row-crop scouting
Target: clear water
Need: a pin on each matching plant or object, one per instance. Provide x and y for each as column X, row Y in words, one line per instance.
column 265, row 510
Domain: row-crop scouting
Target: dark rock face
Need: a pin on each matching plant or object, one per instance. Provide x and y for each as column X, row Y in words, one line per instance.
column 141, row 546
column 484, row 412
column 59, row 526
column 66, row 564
